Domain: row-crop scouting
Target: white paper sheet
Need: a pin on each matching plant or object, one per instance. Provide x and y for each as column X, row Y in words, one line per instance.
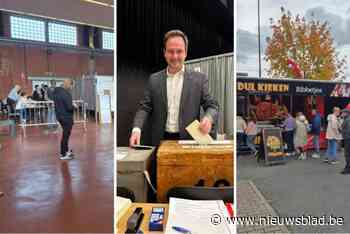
column 196, row 216
column 198, row 136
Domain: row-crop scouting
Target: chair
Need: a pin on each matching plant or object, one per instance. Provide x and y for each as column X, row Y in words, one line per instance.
column 11, row 125
column 202, row 193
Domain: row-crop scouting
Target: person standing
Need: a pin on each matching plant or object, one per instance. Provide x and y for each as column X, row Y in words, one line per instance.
column 174, row 97
column 37, row 94
column 251, row 132
column 300, row 137
column 315, row 132
column 241, row 125
column 21, row 106
column 288, row 133
column 13, row 97
column 332, row 136
column 345, row 130
column 64, row 113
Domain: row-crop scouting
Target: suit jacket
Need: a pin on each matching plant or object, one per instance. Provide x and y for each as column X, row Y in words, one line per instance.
column 154, row 105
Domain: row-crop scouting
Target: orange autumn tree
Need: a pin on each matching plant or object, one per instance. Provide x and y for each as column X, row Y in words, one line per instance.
column 302, row 49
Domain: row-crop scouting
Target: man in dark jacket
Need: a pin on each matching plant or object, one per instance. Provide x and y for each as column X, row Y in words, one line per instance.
column 345, row 130
column 64, row 113
column 315, row 132
column 37, row 94
column 174, row 97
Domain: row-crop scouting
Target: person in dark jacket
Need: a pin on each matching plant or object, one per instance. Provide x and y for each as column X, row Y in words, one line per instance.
column 316, row 124
column 37, row 95
column 345, row 130
column 64, row 109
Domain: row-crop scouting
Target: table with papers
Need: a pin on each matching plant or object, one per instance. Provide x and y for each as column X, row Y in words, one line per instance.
column 195, row 216
column 208, row 217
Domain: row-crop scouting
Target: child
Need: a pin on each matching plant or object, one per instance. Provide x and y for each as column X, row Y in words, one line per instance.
column 300, row 137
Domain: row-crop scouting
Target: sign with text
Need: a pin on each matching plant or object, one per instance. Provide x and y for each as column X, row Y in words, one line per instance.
column 262, row 87
column 292, row 87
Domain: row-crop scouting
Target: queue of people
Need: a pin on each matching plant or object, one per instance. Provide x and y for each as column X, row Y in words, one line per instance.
column 17, row 102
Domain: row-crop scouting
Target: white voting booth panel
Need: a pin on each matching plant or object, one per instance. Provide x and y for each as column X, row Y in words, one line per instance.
column 105, row 96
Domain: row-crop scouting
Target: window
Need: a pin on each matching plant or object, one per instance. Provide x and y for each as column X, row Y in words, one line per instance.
column 62, row 34
column 107, row 40
column 26, row 28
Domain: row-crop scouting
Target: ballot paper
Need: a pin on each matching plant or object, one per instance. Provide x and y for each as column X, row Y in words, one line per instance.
column 194, row 131
column 122, row 204
column 210, row 217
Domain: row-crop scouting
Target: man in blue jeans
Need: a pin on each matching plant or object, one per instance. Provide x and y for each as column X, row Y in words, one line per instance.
column 333, row 135
column 315, row 132
column 289, row 125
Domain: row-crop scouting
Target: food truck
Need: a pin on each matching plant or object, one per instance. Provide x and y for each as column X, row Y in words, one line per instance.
column 269, row 99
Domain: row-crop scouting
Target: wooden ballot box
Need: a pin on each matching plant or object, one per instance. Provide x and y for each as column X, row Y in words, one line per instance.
column 185, row 165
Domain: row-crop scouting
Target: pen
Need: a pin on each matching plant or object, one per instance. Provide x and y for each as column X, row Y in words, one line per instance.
column 181, row 229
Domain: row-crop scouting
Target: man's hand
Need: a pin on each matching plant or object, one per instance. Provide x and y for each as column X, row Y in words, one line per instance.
column 205, row 125
column 135, row 139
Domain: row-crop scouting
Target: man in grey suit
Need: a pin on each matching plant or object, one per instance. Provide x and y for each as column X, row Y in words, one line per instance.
column 174, row 96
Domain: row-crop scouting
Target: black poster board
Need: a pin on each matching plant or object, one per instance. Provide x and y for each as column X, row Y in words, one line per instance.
column 273, row 146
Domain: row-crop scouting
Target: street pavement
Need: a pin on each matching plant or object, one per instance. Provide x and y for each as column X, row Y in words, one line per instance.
column 309, row 187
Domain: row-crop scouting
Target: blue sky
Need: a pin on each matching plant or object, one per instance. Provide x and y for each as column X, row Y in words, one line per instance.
column 336, row 12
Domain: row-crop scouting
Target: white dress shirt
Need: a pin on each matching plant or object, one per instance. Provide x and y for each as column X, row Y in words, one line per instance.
column 174, row 91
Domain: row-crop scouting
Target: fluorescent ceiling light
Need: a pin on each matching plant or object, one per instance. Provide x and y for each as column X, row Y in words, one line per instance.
column 99, row 3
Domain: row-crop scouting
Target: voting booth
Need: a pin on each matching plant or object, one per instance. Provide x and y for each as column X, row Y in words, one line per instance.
column 186, row 165
column 104, row 99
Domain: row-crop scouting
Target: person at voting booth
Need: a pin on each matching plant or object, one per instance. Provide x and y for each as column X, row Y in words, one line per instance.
column 64, row 113
column 174, row 97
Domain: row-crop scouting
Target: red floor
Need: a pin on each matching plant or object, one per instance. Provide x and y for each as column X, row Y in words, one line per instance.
column 44, row 194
